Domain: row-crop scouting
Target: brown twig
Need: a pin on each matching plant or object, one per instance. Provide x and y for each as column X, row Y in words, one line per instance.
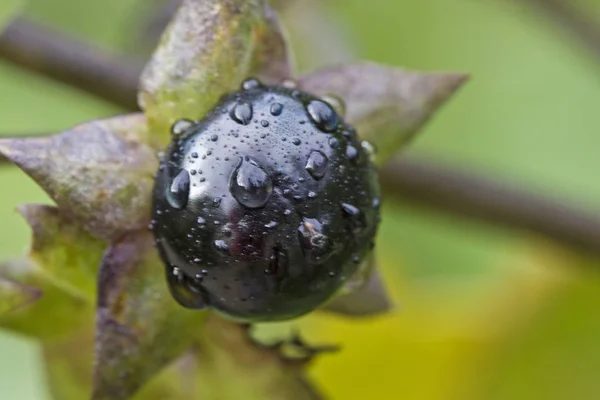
column 440, row 187
column 457, row 192
column 571, row 18
column 49, row 53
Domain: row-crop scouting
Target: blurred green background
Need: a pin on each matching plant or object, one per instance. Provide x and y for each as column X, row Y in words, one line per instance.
column 483, row 313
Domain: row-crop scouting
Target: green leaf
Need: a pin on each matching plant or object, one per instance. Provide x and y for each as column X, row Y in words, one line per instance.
column 14, row 295
column 140, row 328
column 99, row 173
column 66, row 253
column 68, row 361
column 62, row 270
column 8, row 10
column 556, row 354
column 388, row 106
column 208, row 49
column 226, row 352
column 42, row 309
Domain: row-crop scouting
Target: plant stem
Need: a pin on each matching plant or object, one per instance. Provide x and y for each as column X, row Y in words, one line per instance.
column 572, row 19
column 49, row 53
column 457, row 192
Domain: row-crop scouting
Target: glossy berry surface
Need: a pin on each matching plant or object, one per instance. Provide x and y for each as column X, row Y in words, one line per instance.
column 263, row 209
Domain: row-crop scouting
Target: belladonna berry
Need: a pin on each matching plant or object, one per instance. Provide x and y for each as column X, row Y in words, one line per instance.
column 263, row 209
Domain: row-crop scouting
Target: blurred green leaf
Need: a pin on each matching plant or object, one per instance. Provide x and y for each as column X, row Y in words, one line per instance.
column 50, row 310
column 68, row 361
column 234, row 367
column 65, row 252
column 387, row 106
column 99, row 173
column 8, row 9
column 557, row 355
column 140, row 328
column 62, row 269
column 208, row 49
column 14, row 295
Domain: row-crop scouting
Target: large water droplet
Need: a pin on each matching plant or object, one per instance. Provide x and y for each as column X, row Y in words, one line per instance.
column 322, row 115
column 356, row 219
column 376, row 203
column 187, row 291
column 181, row 126
column 317, row 164
column 221, row 245
column 178, row 192
column 369, row 148
column 317, row 246
column 242, row 113
column 250, row 184
column 352, row 153
column 336, row 102
column 250, row 83
column 276, row 109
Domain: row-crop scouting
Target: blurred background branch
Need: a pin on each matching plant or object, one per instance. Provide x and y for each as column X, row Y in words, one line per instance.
column 572, row 19
column 57, row 56
column 114, row 78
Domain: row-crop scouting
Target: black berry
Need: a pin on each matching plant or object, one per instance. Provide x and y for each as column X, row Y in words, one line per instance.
column 265, row 207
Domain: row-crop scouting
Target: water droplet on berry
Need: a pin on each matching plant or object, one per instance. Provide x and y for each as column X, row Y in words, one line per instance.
column 276, row 109
column 336, row 102
column 264, row 123
column 376, row 203
column 317, row 165
column 214, row 137
column 242, row 113
column 322, row 115
column 355, row 217
column 369, row 148
column 296, row 141
column 351, row 153
column 250, row 184
column 179, row 190
column 250, row 83
column 271, row 224
column 334, row 143
column 221, row 245
column 181, row 126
